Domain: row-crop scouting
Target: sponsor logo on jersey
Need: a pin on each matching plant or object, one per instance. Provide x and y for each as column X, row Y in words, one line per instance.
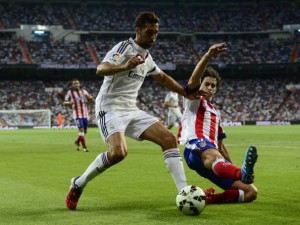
column 135, row 76
column 115, row 57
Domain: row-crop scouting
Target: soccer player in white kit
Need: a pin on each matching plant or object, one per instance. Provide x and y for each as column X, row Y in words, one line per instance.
column 125, row 67
column 202, row 134
column 174, row 113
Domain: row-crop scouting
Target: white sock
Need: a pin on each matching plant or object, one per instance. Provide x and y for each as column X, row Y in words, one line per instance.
column 174, row 163
column 241, row 196
column 99, row 165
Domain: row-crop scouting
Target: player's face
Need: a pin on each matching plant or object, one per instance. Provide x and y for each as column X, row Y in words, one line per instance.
column 209, row 85
column 146, row 36
column 76, row 84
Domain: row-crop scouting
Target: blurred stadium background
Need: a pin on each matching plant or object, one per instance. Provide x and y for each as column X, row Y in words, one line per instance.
column 44, row 44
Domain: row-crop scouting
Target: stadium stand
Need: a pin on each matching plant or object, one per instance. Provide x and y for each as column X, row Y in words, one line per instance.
column 239, row 99
column 254, row 31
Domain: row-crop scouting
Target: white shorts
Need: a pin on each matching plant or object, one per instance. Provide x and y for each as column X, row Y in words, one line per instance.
column 174, row 115
column 131, row 123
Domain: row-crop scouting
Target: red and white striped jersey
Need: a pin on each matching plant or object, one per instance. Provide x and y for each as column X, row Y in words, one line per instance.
column 80, row 102
column 201, row 120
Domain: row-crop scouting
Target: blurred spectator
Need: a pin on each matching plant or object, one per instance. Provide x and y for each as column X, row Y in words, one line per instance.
column 262, row 99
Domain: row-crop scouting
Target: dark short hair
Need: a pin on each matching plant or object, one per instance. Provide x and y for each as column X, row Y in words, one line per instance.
column 75, row 79
column 145, row 18
column 211, row 72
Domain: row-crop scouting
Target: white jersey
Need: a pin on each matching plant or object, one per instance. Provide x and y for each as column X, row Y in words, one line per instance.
column 120, row 91
column 172, row 97
column 174, row 114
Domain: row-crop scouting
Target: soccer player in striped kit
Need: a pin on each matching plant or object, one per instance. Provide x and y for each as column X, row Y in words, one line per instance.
column 78, row 99
column 203, row 136
column 124, row 69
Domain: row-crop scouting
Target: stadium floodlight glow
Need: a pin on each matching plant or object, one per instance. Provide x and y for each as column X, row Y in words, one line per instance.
column 39, row 32
column 41, row 27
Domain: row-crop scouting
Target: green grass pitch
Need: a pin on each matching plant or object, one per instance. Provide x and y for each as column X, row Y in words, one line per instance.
column 36, row 167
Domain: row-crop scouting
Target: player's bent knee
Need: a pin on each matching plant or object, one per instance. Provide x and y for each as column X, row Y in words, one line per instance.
column 251, row 195
column 117, row 154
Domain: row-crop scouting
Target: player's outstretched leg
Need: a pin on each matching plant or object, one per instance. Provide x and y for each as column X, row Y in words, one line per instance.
column 73, row 194
column 77, row 145
column 247, row 168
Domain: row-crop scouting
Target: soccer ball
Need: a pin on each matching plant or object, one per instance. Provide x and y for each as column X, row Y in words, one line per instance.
column 191, row 200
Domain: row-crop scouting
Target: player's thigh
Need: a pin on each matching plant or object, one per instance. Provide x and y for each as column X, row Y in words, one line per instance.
column 178, row 114
column 139, row 121
column 194, row 161
column 85, row 124
column 209, row 156
column 110, row 123
column 171, row 119
column 206, row 150
column 160, row 135
column 79, row 123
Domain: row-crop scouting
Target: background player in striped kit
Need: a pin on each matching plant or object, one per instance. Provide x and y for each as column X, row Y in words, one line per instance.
column 78, row 99
column 174, row 111
column 124, row 69
column 203, row 136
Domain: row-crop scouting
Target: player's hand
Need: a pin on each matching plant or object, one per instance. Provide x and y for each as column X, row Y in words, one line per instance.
column 217, row 49
column 69, row 103
column 134, row 61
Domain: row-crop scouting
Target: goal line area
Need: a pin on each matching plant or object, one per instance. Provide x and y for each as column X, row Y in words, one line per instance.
column 27, row 118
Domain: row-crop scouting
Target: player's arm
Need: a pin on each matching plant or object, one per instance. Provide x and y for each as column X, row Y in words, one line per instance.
column 223, row 150
column 168, row 82
column 168, row 104
column 68, row 103
column 89, row 97
column 68, row 99
column 108, row 69
column 214, row 50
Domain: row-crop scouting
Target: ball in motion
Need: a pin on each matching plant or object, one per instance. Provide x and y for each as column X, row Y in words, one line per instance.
column 191, row 200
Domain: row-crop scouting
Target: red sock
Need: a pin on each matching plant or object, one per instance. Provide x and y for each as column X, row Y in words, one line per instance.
column 227, row 170
column 83, row 141
column 179, row 132
column 228, row 196
column 78, row 139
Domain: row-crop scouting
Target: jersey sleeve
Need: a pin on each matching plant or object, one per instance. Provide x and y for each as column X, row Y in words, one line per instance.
column 221, row 133
column 68, row 96
column 117, row 54
column 168, row 97
column 153, row 68
column 85, row 92
column 188, row 90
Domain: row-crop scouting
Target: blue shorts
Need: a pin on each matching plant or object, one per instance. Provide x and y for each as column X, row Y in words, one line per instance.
column 194, row 162
column 82, row 123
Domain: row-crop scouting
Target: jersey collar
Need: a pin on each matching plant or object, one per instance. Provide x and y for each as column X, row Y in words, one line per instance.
column 137, row 47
